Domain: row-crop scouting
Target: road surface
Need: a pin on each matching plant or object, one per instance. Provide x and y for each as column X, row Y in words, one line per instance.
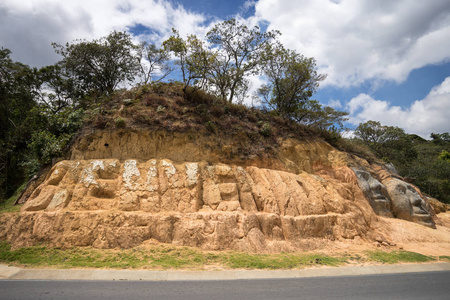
column 428, row 285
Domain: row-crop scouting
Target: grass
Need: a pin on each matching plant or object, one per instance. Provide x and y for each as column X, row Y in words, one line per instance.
column 163, row 257
column 8, row 204
column 396, row 257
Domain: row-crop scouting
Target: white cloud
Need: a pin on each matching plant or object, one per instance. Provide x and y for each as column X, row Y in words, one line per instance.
column 358, row 40
column 334, row 103
column 27, row 27
column 423, row 117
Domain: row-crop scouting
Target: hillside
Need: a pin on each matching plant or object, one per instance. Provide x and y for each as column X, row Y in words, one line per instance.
column 149, row 166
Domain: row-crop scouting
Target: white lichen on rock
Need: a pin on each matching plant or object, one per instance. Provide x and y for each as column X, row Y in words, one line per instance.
column 192, row 173
column 131, row 171
column 87, row 177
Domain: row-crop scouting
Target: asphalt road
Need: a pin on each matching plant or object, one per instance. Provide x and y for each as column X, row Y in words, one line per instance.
column 429, row 285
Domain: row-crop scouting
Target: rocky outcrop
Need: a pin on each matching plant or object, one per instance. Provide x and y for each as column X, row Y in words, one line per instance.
column 394, row 197
column 108, row 203
column 125, row 188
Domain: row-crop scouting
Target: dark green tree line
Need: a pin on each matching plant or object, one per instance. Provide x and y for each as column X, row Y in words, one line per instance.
column 424, row 162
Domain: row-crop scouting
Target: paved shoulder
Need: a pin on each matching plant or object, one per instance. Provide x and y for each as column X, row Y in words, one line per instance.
column 95, row 274
column 7, row 272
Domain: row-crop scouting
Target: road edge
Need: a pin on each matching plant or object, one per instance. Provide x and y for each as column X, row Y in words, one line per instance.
column 14, row 273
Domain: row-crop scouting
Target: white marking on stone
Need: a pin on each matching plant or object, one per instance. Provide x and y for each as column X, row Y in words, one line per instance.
column 191, row 172
column 151, row 176
column 131, row 171
column 169, row 168
column 87, row 177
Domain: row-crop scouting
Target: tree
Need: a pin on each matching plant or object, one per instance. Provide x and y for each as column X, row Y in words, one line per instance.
column 54, row 88
column 370, row 132
column 323, row 117
column 440, row 138
column 100, row 65
column 17, row 98
column 293, row 79
column 193, row 57
column 153, row 62
column 388, row 142
column 238, row 50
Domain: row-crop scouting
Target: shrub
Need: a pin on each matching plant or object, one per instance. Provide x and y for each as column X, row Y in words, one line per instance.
column 266, row 129
column 120, row 122
column 211, row 126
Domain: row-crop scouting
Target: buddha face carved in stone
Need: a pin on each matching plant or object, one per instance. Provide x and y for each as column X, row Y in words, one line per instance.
column 375, row 192
column 407, row 203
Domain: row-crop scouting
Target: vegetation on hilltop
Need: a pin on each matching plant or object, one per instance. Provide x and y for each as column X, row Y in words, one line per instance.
column 424, row 163
column 41, row 110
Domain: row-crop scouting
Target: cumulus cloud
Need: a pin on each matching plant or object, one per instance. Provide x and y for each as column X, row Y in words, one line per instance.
column 423, row 117
column 358, row 40
column 28, row 27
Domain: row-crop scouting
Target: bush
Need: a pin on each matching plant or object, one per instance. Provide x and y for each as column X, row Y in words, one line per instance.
column 46, row 145
column 211, row 126
column 266, row 129
column 120, row 123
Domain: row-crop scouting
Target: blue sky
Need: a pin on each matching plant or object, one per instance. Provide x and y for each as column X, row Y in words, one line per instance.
column 386, row 60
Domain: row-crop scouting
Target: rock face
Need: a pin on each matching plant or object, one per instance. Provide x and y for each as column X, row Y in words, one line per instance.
column 375, row 192
column 395, row 197
column 108, row 203
column 188, row 197
column 407, row 203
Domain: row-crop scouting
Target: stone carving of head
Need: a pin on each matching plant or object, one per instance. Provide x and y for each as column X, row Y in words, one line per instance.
column 375, row 191
column 407, row 203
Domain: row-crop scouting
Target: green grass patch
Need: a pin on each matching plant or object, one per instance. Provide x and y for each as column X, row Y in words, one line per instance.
column 157, row 257
column 8, row 204
column 398, row 257
column 240, row 260
column 162, row 257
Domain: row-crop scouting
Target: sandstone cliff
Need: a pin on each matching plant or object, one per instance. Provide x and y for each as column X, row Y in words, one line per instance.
column 122, row 188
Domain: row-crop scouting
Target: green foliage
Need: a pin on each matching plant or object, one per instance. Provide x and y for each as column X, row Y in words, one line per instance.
column 120, row 123
column 237, row 54
column 427, row 162
column 266, row 129
column 440, row 138
column 17, row 86
column 211, row 126
column 46, row 145
column 8, row 205
column 293, row 79
column 388, row 142
column 193, row 59
column 153, row 63
column 101, row 65
column 445, row 156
